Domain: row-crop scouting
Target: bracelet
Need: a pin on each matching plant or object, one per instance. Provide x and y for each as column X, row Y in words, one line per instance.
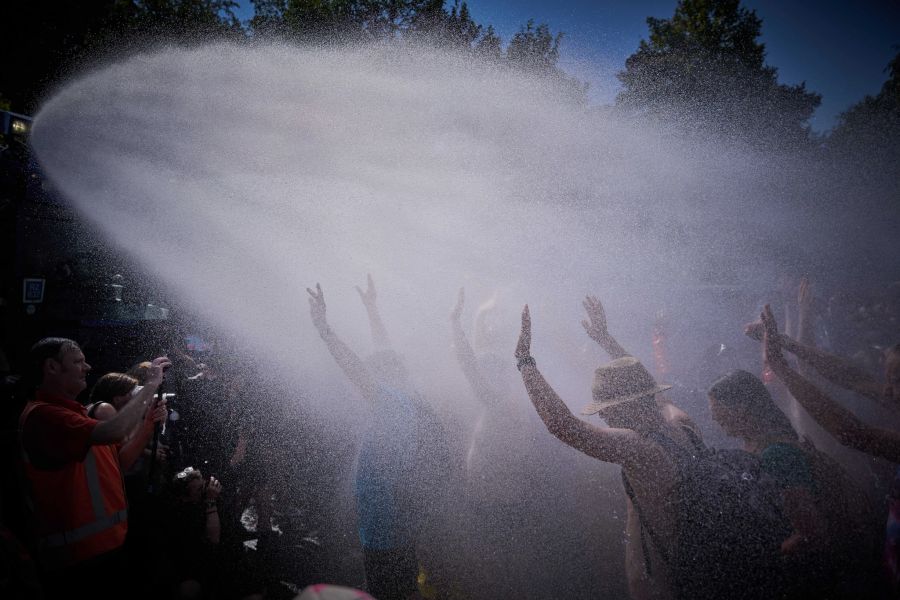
column 525, row 360
column 211, row 512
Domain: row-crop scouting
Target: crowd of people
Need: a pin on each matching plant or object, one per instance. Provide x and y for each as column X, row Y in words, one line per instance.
column 161, row 481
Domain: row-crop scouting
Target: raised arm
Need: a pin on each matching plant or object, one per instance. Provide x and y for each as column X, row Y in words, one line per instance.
column 596, row 328
column 835, row 369
column 369, row 299
column 115, row 429
column 806, row 314
column 833, row 417
column 465, row 355
column 346, row 359
column 620, row 446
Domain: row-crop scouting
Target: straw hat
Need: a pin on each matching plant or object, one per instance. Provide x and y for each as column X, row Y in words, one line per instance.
column 623, row 380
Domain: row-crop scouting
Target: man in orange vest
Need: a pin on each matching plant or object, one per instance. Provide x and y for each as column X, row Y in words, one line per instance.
column 72, row 475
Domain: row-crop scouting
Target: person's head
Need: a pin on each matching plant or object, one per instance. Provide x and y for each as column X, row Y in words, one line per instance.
column 625, row 395
column 892, row 374
column 140, row 371
column 742, row 405
column 188, row 484
column 58, row 365
column 387, row 368
column 114, row 388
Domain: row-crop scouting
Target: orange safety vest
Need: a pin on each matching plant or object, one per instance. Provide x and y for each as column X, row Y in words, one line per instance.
column 79, row 508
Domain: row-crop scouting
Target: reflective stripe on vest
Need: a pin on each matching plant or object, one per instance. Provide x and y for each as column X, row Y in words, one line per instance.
column 103, row 521
column 85, row 532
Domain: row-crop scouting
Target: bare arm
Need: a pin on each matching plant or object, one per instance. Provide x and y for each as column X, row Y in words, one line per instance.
column 116, row 429
column 597, row 330
column 833, row 417
column 346, row 359
column 806, row 315
column 835, row 369
column 369, row 299
column 465, row 355
column 620, row 446
column 213, row 526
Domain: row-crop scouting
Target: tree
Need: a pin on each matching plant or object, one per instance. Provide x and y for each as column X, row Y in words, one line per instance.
column 489, row 47
column 535, row 50
column 872, row 126
column 50, row 38
column 705, row 70
column 863, row 150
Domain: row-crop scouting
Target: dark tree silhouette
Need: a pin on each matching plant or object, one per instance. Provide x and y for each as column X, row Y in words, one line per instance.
column 704, row 69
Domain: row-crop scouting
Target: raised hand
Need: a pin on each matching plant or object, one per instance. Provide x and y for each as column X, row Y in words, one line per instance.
column 369, row 296
column 456, row 313
column 213, row 489
column 523, row 348
column 159, row 413
column 805, row 295
column 317, row 309
column 755, row 330
column 595, row 324
column 771, row 348
column 157, row 366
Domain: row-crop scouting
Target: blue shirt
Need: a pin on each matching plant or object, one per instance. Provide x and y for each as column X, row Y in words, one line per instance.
column 385, row 473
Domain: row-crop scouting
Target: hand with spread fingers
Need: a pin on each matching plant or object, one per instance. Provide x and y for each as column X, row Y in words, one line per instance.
column 370, row 296
column 317, row 309
column 595, row 325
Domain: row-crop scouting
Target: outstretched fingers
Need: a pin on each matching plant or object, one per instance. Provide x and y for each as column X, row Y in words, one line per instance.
column 523, row 348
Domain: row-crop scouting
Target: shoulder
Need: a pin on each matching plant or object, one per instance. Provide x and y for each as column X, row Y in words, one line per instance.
column 678, row 418
column 102, row 411
column 787, row 463
column 46, row 413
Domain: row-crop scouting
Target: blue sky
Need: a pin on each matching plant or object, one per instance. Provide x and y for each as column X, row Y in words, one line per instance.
column 839, row 48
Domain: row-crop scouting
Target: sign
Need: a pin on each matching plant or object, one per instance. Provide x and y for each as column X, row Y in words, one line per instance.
column 33, row 291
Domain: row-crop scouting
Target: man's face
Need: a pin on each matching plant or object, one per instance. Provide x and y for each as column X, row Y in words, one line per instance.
column 70, row 371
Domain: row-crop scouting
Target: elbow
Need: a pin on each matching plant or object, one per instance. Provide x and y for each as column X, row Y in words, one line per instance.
column 560, row 428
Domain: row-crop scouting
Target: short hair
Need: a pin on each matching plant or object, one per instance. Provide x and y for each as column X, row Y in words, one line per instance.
column 47, row 348
column 111, row 385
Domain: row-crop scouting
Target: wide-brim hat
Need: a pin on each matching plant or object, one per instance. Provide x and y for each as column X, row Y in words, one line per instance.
column 622, row 380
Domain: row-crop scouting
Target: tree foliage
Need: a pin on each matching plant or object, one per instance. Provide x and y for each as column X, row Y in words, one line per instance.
column 50, row 38
column 704, row 68
column 871, row 127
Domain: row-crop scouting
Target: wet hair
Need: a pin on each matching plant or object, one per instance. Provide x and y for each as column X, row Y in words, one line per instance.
column 743, row 392
column 112, row 385
column 47, row 348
